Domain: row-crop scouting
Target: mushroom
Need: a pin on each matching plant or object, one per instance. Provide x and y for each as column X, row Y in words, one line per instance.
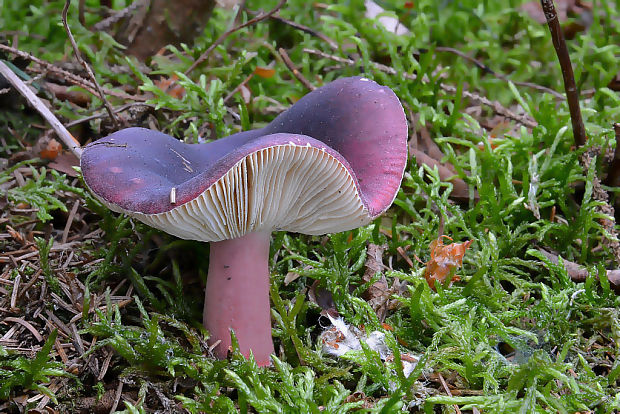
column 332, row 162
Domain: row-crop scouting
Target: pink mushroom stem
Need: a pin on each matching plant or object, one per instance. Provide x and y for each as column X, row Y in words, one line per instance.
column 237, row 296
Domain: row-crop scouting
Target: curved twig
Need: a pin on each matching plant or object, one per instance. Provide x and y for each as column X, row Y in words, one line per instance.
column 78, row 55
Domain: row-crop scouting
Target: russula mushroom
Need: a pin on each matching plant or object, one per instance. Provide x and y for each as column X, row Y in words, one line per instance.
column 332, row 162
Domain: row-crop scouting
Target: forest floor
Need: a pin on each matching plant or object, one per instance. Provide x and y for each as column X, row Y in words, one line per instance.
column 99, row 312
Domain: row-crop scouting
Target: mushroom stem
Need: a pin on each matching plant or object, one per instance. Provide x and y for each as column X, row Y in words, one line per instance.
column 237, row 296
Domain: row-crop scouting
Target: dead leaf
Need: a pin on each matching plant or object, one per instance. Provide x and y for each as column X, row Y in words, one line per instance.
column 171, row 87
column 427, row 152
column 264, row 72
column 379, row 294
column 323, row 298
column 290, row 277
column 51, row 150
column 64, row 93
column 444, row 260
column 246, row 93
column 64, row 163
column 460, row 189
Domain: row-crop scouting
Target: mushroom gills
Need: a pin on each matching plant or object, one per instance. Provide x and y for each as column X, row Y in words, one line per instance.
column 286, row 187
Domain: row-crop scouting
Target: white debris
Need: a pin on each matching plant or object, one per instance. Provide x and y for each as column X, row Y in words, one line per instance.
column 341, row 338
column 391, row 23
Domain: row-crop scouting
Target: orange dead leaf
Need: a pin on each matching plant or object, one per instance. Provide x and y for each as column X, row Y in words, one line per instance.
column 51, row 150
column 264, row 72
column 444, row 259
column 171, row 87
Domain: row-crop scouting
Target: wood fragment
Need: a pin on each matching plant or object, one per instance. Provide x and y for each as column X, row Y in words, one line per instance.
column 613, row 176
column 447, row 390
column 105, row 366
column 31, row 282
column 44, row 67
column 106, row 23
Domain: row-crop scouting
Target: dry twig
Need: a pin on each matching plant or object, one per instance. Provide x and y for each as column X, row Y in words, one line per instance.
column 613, row 176
column 36, row 103
column 572, row 95
column 78, row 55
column 474, row 97
column 291, row 66
column 68, row 76
column 579, row 132
column 223, row 37
column 498, row 75
column 106, row 23
column 332, row 44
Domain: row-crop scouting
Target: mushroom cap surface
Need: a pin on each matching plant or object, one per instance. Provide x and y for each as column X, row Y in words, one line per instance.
column 331, row 162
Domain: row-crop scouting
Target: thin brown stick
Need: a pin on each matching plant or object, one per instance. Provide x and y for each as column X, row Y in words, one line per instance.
column 238, row 87
column 572, row 95
column 498, row 75
column 103, row 114
column 474, row 97
column 609, row 238
column 81, row 7
column 106, row 23
column 291, row 66
column 332, row 44
column 68, row 76
column 447, row 390
column 78, row 55
column 117, row 396
column 613, row 176
column 61, row 131
column 65, row 233
column 223, row 37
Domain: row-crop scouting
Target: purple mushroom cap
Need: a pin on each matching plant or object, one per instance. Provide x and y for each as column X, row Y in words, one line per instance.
column 358, row 125
column 332, row 162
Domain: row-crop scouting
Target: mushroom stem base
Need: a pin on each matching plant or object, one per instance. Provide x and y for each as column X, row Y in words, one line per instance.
column 237, row 296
